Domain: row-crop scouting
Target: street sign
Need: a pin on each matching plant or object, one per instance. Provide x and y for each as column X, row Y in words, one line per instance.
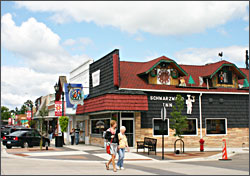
column 163, row 113
column 28, row 115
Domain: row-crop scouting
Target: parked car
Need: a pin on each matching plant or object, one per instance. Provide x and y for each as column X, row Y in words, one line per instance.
column 25, row 139
column 10, row 129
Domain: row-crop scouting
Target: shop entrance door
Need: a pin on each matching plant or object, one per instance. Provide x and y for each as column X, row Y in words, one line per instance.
column 129, row 124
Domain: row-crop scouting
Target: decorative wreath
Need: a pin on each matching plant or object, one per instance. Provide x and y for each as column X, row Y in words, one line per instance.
column 153, row 73
column 174, row 74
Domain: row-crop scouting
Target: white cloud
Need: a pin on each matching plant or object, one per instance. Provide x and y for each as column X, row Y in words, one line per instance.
column 19, row 84
column 201, row 56
column 162, row 18
column 246, row 28
column 37, row 45
column 69, row 42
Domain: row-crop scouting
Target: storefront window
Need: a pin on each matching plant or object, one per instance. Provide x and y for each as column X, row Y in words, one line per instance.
column 158, row 126
column 99, row 126
column 216, row 126
column 191, row 128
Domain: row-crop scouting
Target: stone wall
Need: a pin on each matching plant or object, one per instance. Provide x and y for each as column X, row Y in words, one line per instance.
column 235, row 138
column 96, row 141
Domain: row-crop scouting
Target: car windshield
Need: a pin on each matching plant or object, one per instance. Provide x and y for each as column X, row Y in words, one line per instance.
column 17, row 133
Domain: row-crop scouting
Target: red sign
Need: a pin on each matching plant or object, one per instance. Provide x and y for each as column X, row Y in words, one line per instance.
column 28, row 115
column 10, row 120
column 58, row 108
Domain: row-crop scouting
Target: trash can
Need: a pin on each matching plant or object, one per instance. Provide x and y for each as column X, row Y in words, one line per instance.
column 59, row 141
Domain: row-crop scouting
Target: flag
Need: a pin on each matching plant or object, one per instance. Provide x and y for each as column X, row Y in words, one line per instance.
column 28, row 115
column 58, row 108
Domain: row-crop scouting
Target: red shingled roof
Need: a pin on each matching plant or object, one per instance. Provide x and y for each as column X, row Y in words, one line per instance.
column 114, row 102
column 130, row 79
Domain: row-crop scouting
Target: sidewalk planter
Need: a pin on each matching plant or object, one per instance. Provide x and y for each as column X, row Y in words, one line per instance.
column 59, row 141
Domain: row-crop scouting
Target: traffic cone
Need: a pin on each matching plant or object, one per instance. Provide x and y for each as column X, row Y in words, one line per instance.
column 224, row 151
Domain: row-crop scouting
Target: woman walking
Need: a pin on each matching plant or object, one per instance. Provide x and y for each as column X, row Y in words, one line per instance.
column 112, row 137
column 123, row 143
column 72, row 133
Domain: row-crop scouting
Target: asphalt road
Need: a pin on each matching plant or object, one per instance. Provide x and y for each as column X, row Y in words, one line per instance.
column 16, row 165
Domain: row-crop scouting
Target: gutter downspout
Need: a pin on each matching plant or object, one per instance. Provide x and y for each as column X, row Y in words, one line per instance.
column 200, row 115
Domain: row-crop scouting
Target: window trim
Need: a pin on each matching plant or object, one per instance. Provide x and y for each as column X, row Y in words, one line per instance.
column 215, row 134
column 154, row 125
column 91, row 125
column 196, row 119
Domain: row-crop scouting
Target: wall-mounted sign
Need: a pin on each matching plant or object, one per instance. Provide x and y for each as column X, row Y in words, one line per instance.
column 169, row 99
column 28, row 115
column 189, row 104
column 96, row 78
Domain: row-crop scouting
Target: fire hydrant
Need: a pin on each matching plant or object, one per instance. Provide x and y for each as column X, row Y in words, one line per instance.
column 202, row 145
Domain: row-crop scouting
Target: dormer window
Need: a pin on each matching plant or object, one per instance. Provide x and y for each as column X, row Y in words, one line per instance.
column 225, row 76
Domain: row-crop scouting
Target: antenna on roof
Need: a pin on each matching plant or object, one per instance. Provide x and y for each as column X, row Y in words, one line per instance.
column 247, row 60
column 220, row 54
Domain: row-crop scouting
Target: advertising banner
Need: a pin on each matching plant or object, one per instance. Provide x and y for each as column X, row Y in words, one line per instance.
column 28, row 115
column 58, row 108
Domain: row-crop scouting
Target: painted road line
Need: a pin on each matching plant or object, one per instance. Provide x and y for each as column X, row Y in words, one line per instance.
column 57, row 153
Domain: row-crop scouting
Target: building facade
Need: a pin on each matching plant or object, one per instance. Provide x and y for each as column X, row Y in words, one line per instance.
column 216, row 100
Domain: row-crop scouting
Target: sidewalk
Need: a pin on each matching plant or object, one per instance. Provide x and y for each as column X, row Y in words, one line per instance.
column 82, row 152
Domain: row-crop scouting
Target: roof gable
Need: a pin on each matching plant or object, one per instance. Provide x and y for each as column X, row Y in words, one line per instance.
column 149, row 66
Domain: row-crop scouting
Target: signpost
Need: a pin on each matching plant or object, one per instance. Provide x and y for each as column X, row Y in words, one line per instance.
column 163, row 117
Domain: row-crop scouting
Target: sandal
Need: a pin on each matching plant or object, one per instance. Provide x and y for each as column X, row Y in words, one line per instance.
column 115, row 170
column 107, row 167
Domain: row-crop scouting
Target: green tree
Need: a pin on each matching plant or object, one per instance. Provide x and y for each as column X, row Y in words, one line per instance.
column 23, row 109
column 178, row 121
column 63, row 122
column 42, row 113
column 5, row 113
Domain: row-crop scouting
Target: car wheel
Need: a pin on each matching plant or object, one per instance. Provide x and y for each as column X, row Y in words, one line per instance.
column 25, row 145
column 8, row 147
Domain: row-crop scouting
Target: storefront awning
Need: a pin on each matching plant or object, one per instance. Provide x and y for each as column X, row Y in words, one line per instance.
column 114, row 102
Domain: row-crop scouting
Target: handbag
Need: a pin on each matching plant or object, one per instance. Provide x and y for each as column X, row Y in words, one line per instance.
column 108, row 147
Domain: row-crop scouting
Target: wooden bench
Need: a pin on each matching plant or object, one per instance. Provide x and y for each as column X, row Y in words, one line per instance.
column 149, row 143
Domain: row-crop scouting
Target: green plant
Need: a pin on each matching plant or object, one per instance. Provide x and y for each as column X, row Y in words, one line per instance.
column 178, row 121
column 63, row 122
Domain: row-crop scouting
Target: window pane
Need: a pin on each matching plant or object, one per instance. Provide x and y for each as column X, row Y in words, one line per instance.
column 158, row 127
column 216, row 126
column 98, row 126
column 191, row 129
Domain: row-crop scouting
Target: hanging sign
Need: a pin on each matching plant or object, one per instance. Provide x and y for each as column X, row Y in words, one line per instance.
column 58, row 108
column 75, row 95
column 28, row 115
column 9, row 121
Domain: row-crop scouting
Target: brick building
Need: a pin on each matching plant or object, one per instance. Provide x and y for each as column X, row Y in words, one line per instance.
column 216, row 100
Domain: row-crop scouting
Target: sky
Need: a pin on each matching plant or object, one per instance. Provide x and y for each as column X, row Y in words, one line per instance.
column 42, row 40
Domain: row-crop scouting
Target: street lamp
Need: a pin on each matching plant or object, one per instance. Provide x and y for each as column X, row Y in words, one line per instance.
column 69, row 87
column 57, row 89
